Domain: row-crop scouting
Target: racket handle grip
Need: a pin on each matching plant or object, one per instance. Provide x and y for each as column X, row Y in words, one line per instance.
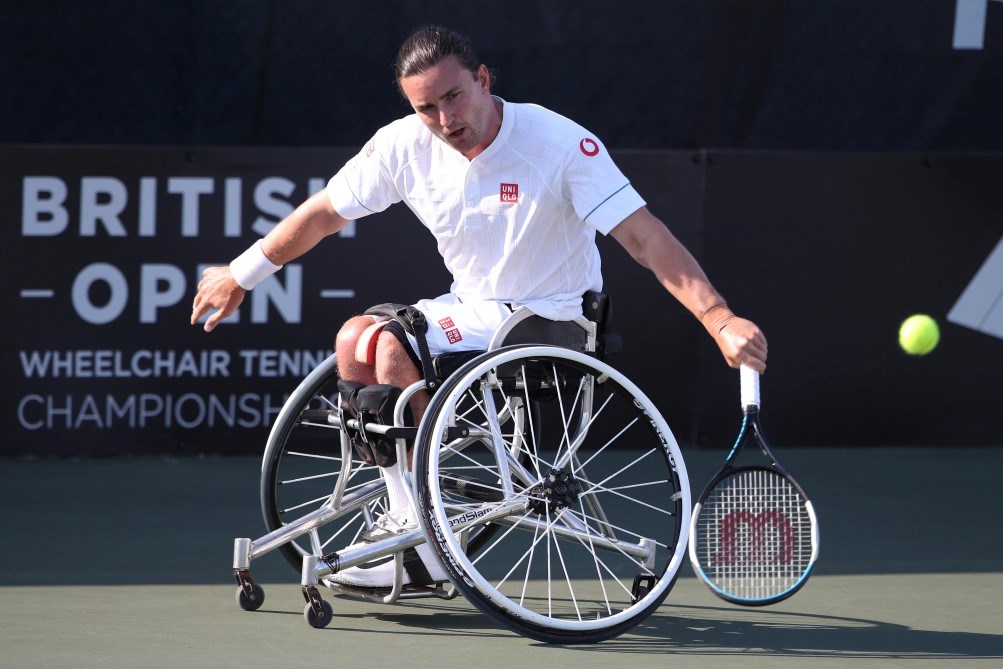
column 750, row 387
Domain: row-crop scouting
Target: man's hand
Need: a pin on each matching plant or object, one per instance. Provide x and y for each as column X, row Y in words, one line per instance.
column 742, row 343
column 217, row 290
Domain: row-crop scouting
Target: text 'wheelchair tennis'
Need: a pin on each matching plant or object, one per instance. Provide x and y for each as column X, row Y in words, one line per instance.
column 549, row 488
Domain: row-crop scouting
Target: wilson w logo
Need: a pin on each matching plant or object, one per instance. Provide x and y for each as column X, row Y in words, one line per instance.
column 765, row 538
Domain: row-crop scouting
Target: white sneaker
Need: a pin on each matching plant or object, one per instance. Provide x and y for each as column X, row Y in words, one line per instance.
column 391, row 523
column 420, row 565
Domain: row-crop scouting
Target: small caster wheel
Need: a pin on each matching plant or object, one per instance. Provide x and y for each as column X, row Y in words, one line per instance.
column 323, row 619
column 252, row 603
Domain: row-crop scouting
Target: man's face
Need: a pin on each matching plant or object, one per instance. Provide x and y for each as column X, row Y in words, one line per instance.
column 455, row 104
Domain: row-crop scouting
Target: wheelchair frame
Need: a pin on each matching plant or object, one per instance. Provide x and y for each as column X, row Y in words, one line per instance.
column 487, row 417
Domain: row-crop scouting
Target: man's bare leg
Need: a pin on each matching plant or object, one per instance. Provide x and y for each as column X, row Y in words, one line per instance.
column 394, row 366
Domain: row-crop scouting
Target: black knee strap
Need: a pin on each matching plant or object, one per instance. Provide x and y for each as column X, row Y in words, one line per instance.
column 348, row 408
column 376, row 405
column 369, row 404
column 413, row 321
column 397, row 330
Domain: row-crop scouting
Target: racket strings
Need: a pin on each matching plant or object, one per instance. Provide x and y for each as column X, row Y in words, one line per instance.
column 754, row 535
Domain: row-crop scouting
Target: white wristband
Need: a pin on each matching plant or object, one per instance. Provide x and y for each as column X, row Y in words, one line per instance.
column 252, row 267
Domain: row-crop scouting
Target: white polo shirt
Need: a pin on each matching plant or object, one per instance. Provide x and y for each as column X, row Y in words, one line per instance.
column 516, row 224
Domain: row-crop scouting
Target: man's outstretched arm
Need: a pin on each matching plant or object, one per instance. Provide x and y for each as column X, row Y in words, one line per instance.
column 652, row 245
column 299, row 232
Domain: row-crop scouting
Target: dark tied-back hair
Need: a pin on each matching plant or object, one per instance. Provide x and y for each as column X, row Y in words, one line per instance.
column 428, row 45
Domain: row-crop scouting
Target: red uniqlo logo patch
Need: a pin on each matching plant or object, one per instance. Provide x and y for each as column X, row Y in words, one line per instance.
column 446, row 323
column 453, row 336
column 510, row 192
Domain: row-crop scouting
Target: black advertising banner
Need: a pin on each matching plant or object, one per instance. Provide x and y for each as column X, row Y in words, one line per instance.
column 109, row 246
column 827, row 252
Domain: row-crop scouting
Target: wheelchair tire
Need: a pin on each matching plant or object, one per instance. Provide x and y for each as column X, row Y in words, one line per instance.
column 587, row 546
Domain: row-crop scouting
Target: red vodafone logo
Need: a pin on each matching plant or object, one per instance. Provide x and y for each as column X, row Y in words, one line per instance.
column 589, row 147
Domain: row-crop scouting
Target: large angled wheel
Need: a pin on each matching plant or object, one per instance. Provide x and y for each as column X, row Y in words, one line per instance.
column 581, row 474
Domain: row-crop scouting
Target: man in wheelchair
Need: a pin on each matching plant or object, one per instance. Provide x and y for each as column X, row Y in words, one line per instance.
column 513, row 195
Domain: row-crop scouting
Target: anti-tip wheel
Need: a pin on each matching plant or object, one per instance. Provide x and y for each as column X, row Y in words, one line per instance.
column 320, row 621
column 252, row 603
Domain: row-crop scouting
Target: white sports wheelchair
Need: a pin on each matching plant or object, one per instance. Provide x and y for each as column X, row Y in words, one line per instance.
column 549, row 487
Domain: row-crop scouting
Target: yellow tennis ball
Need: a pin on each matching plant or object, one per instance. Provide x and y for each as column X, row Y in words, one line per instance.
column 919, row 335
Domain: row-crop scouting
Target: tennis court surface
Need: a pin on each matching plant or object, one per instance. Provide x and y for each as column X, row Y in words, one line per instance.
column 124, row 563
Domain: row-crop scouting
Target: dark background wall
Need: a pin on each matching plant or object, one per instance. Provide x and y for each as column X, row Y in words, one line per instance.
column 752, row 74
column 834, row 165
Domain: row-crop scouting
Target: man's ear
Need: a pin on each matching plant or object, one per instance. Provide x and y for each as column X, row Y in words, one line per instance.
column 483, row 77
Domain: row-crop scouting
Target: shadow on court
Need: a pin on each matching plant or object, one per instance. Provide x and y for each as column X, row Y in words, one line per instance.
column 706, row 631
column 710, row 631
column 139, row 553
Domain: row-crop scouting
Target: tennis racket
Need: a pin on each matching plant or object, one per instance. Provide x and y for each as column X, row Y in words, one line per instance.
column 753, row 533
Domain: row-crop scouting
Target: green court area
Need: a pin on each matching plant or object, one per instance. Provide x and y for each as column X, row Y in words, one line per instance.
column 125, row 563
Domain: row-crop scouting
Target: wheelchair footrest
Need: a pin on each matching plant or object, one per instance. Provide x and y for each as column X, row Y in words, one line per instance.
column 378, row 595
column 403, row 432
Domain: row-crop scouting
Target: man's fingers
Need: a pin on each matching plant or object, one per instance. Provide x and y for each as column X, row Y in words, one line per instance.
column 197, row 312
column 751, row 360
column 753, row 354
column 212, row 321
column 748, row 359
column 199, row 306
column 745, row 347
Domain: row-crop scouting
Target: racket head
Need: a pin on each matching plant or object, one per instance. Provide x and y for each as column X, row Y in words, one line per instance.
column 753, row 536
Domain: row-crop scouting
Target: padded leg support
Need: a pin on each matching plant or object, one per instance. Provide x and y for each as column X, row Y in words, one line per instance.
column 365, row 348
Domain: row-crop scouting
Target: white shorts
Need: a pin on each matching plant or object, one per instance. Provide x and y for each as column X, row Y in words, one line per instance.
column 455, row 326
